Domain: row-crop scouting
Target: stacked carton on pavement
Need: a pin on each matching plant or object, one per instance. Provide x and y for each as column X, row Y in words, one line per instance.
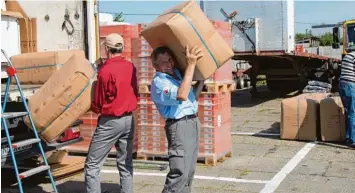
column 311, row 117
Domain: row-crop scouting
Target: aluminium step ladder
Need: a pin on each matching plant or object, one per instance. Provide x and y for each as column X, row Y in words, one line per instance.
column 11, row 71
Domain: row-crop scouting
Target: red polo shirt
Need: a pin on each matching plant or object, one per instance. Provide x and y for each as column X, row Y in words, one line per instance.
column 116, row 90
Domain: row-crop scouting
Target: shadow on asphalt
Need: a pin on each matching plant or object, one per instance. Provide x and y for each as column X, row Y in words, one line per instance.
column 244, row 99
column 66, row 187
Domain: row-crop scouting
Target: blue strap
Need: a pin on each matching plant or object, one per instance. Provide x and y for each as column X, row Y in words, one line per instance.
column 298, row 117
column 197, row 33
column 40, row 66
column 339, row 118
column 68, row 105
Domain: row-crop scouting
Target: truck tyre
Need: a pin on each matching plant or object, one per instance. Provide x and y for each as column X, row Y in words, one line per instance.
column 240, row 83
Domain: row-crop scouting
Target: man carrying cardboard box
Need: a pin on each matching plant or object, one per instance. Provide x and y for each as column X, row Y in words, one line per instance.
column 177, row 103
column 115, row 98
column 347, row 94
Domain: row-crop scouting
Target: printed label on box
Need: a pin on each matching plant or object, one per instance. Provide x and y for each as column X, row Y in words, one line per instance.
column 156, row 139
column 144, row 42
column 143, row 143
column 156, row 144
column 156, row 133
column 144, row 54
column 207, row 118
column 207, row 112
column 207, row 135
column 208, row 152
column 145, row 63
column 208, row 147
column 144, row 133
column 143, row 106
column 208, row 108
column 208, row 124
column 156, row 128
column 207, row 130
column 207, row 102
column 208, row 141
column 144, row 69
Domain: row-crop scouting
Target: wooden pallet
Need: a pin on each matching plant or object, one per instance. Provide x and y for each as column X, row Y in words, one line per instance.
column 208, row 88
column 218, row 87
column 213, row 160
column 144, row 89
column 208, row 160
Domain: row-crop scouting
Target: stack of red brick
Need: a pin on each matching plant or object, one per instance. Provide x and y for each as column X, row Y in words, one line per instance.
column 141, row 58
column 214, row 109
column 126, row 31
column 224, row 73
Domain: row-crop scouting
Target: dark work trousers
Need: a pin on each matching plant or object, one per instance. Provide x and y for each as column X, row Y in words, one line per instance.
column 183, row 147
column 111, row 131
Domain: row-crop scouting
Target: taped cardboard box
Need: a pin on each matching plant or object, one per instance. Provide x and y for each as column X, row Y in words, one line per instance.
column 38, row 67
column 63, row 98
column 186, row 24
column 332, row 119
column 300, row 117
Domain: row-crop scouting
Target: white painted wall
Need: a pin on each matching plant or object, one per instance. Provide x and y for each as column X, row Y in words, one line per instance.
column 3, row 5
column 50, row 35
column 10, row 36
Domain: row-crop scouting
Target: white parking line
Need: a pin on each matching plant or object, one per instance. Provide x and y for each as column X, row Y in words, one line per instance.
column 259, row 134
column 196, row 177
column 272, row 185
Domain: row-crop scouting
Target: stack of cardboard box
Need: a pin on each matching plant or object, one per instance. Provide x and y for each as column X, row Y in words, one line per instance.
column 311, row 117
column 65, row 95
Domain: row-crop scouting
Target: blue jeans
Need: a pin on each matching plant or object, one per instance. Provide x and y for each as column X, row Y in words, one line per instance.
column 347, row 94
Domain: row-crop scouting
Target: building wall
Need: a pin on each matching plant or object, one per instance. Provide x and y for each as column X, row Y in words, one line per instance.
column 50, row 35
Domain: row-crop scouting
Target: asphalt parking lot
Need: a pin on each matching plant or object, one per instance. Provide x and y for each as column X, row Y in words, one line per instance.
column 261, row 162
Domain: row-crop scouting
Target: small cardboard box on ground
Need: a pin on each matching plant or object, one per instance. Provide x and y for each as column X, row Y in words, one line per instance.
column 332, row 119
column 300, row 117
column 186, row 24
column 38, row 67
column 63, row 98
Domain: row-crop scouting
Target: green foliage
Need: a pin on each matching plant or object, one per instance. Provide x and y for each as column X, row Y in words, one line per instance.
column 325, row 39
column 118, row 17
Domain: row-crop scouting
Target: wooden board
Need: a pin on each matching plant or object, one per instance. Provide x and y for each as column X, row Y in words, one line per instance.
column 69, row 165
column 210, row 160
column 208, row 88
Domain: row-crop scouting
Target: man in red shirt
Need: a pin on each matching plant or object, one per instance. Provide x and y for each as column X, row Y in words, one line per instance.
column 115, row 98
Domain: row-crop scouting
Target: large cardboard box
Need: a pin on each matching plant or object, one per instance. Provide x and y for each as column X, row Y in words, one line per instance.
column 186, row 24
column 38, row 67
column 300, row 117
column 63, row 98
column 332, row 119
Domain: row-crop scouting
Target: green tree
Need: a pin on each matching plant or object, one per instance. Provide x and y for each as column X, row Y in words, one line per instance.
column 118, row 17
column 326, row 39
column 301, row 36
